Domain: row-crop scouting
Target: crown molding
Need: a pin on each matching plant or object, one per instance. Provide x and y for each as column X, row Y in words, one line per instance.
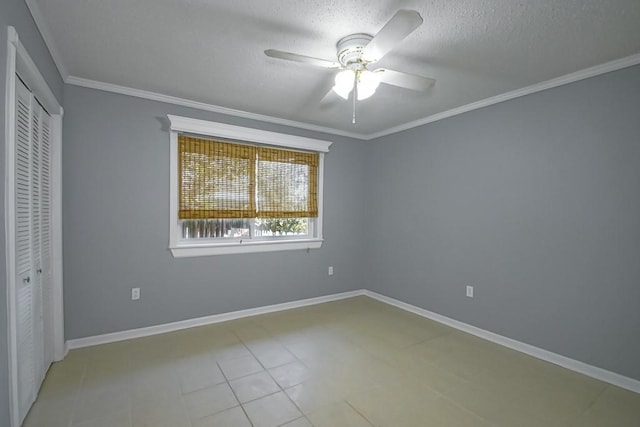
column 154, row 96
column 41, row 23
column 597, row 70
column 586, row 73
column 538, row 87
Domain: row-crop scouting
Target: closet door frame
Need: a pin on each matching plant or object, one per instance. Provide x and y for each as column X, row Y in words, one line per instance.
column 19, row 61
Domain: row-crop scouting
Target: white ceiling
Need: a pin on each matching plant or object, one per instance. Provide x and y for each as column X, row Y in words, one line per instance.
column 211, row 52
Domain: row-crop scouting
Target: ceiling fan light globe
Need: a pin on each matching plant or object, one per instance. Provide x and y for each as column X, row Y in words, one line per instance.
column 341, row 92
column 344, row 83
column 364, row 93
column 368, row 82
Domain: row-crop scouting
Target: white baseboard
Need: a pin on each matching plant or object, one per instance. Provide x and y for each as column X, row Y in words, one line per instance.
column 202, row 321
column 548, row 356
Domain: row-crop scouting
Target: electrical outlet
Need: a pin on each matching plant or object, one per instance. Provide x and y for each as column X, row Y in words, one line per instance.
column 470, row 291
column 135, row 294
column 331, row 270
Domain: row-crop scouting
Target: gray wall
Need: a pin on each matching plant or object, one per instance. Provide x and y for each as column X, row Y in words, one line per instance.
column 16, row 14
column 116, row 225
column 535, row 202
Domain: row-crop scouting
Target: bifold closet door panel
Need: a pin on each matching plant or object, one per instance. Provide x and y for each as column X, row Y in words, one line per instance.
column 25, row 343
column 45, row 239
column 38, row 118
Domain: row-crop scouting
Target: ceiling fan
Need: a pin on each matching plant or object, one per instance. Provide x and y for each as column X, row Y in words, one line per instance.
column 356, row 52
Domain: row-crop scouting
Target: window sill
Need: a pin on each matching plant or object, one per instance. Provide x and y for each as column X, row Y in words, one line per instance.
column 194, row 249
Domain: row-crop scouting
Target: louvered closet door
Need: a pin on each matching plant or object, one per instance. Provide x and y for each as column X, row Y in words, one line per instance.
column 24, row 270
column 45, row 238
column 34, row 304
column 37, row 117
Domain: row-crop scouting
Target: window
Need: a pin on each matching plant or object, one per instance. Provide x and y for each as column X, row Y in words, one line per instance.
column 230, row 190
column 237, row 190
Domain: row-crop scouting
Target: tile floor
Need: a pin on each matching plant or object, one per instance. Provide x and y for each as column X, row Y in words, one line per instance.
column 355, row 362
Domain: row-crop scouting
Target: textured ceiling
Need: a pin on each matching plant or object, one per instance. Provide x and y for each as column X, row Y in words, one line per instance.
column 212, row 51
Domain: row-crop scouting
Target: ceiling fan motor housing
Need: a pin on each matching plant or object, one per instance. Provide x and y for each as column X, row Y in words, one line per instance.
column 350, row 50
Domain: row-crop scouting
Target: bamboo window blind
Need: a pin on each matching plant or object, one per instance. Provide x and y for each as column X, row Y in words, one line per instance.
column 227, row 180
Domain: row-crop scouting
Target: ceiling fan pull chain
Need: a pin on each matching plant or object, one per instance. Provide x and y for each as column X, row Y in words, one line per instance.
column 355, row 96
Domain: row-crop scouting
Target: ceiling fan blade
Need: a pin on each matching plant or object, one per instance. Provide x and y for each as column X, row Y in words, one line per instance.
column 301, row 58
column 328, row 99
column 403, row 23
column 408, row 81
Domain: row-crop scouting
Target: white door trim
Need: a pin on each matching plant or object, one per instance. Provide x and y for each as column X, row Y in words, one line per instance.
column 18, row 60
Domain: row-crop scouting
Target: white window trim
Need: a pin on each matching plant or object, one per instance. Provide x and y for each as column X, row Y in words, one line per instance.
column 181, row 249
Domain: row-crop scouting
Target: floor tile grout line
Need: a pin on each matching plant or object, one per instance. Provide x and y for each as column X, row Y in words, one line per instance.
column 76, row 399
column 229, row 383
column 464, row 408
column 296, row 419
column 282, row 390
column 184, row 405
column 359, row 413
column 344, row 399
column 258, row 360
column 234, row 394
column 427, row 340
column 92, row 368
column 593, row 402
column 174, row 360
column 272, row 338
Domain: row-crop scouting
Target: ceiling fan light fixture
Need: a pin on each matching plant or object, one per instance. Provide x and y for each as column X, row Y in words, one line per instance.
column 355, row 52
column 368, row 82
column 344, row 83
